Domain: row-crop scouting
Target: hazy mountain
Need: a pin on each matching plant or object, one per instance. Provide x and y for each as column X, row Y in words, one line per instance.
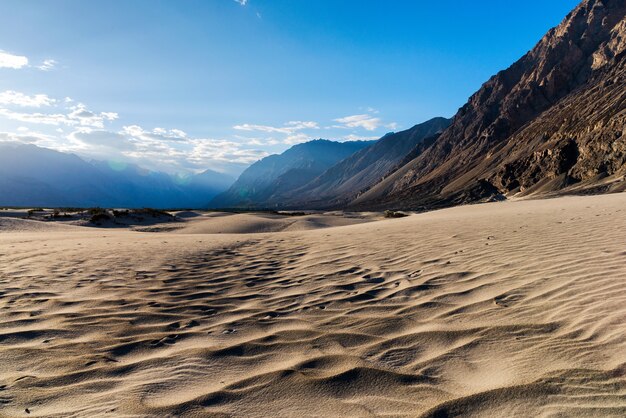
column 266, row 182
column 343, row 181
column 552, row 121
column 34, row 176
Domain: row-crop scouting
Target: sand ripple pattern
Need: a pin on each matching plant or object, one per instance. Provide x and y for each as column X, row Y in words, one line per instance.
column 508, row 309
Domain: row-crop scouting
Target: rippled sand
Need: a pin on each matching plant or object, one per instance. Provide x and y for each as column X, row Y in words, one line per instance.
column 504, row 309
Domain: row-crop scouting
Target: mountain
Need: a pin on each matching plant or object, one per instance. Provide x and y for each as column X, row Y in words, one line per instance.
column 267, row 182
column 35, row 176
column 552, row 122
column 137, row 187
column 343, row 181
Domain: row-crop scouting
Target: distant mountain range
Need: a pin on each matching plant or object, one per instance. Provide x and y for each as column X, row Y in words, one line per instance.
column 34, row 176
column 270, row 181
column 554, row 122
column 322, row 173
column 341, row 183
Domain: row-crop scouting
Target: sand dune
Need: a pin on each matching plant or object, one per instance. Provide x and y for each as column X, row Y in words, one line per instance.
column 8, row 224
column 504, row 309
column 254, row 223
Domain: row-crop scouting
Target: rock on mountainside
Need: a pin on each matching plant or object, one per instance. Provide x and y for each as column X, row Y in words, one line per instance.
column 343, row 181
column 553, row 121
column 267, row 182
column 35, row 176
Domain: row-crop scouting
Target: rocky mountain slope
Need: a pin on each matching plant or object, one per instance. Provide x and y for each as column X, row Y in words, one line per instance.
column 35, row 176
column 553, row 121
column 267, row 182
column 343, row 181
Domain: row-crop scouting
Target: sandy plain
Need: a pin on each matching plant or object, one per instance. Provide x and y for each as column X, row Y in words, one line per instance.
column 513, row 308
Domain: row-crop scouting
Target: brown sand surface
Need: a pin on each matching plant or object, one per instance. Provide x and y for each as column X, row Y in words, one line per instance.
column 255, row 223
column 495, row 310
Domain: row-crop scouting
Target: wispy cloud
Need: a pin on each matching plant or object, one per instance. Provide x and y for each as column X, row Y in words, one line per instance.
column 176, row 149
column 162, row 149
column 241, row 2
column 353, row 137
column 292, row 131
column 36, row 118
column 8, row 60
column 365, row 121
column 11, row 97
column 91, row 135
column 26, row 137
column 77, row 115
column 288, row 128
column 297, row 139
column 47, row 65
column 101, row 138
column 84, row 117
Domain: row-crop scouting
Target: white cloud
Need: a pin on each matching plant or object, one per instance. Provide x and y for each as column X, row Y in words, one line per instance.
column 35, row 138
column 73, row 127
column 292, row 131
column 353, row 137
column 257, row 141
column 47, row 65
column 262, row 128
column 393, row 126
column 242, row 2
column 8, row 60
column 13, row 137
column 101, row 138
column 84, row 117
column 162, row 149
column 298, row 125
column 288, row 128
column 178, row 133
column 11, row 97
column 16, row 62
column 157, row 134
column 78, row 115
column 296, row 139
column 207, row 150
column 36, row 118
column 365, row 121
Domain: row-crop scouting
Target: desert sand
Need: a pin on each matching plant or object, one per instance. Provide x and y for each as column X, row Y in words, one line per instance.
column 513, row 308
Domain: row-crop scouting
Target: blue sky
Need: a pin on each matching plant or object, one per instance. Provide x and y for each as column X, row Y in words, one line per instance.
column 185, row 85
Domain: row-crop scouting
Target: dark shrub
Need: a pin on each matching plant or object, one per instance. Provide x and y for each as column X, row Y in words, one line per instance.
column 100, row 217
column 288, row 213
column 155, row 213
column 394, row 214
column 96, row 211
